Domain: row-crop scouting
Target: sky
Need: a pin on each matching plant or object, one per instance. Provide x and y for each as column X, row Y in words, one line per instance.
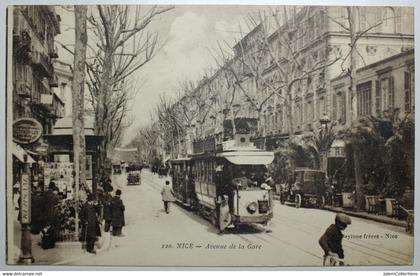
column 188, row 36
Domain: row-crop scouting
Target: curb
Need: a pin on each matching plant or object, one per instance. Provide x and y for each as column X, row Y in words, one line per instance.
column 361, row 215
column 364, row 216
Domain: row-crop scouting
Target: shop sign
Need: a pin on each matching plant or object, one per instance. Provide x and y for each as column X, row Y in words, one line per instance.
column 25, row 204
column 47, row 99
column 26, row 131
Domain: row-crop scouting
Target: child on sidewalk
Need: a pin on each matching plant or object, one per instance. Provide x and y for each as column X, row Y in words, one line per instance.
column 331, row 240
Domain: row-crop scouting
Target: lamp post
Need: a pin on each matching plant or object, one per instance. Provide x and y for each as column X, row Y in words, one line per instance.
column 25, row 214
column 324, row 121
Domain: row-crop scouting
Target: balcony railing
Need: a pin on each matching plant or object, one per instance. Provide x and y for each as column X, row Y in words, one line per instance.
column 42, row 63
column 24, row 89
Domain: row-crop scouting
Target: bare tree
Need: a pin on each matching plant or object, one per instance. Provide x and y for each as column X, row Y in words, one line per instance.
column 120, row 44
column 79, row 149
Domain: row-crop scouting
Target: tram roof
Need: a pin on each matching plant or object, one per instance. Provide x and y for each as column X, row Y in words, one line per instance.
column 251, row 157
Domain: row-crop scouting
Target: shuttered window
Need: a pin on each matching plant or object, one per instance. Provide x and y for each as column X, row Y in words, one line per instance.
column 364, row 99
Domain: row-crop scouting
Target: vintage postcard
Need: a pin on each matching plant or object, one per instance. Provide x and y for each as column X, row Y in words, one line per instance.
column 210, row 135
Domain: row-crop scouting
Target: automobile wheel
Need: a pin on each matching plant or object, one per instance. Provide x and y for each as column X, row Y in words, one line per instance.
column 298, row 201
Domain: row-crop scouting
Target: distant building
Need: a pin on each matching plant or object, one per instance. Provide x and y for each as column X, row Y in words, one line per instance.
column 64, row 73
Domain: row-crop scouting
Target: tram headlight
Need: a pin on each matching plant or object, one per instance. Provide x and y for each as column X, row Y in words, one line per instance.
column 252, row 207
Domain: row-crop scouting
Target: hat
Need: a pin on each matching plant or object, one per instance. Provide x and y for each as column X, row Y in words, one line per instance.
column 91, row 196
column 118, row 192
column 343, row 218
column 167, row 182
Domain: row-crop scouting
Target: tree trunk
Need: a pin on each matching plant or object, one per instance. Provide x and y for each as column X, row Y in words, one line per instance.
column 79, row 149
column 353, row 104
column 359, row 196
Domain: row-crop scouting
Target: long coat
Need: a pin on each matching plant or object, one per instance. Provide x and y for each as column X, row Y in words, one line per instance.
column 117, row 210
column 106, row 203
column 167, row 193
column 90, row 223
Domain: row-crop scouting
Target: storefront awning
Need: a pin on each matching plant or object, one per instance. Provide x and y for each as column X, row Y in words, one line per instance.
column 249, row 158
column 19, row 153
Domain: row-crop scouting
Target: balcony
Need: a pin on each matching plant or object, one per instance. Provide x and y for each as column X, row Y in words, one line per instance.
column 53, row 82
column 42, row 64
column 53, row 53
column 24, row 89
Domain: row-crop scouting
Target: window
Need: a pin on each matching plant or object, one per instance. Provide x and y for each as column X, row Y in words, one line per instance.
column 321, row 108
column 362, row 19
column 388, row 20
column 384, row 95
column 299, row 114
column 309, row 110
column 279, row 115
column 364, row 99
column 408, row 92
column 310, row 30
column 317, row 25
column 339, row 107
column 300, row 38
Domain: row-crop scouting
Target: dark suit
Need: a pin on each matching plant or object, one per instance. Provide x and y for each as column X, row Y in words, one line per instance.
column 90, row 224
column 117, row 210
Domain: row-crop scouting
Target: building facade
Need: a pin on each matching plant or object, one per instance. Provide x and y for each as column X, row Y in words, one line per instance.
column 285, row 74
column 34, row 29
column 64, row 74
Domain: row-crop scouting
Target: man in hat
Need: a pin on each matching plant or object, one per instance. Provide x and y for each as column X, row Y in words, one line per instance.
column 167, row 196
column 117, row 211
column 90, row 223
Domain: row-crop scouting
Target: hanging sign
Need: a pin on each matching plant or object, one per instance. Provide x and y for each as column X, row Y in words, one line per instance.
column 26, row 131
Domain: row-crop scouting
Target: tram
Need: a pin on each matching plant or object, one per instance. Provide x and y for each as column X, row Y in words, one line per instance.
column 225, row 184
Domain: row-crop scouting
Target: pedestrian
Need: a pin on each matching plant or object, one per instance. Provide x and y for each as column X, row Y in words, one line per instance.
column 167, row 196
column 89, row 216
column 117, row 212
column 331, row 241
column 107, row 210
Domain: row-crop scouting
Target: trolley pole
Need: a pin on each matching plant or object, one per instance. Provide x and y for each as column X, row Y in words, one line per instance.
column 25, row 214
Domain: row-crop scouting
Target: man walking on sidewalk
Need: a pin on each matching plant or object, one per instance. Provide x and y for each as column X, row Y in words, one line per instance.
column 117, row 210
column 167, row 196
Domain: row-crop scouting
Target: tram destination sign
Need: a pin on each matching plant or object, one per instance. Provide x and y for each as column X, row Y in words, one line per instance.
column 26, row 131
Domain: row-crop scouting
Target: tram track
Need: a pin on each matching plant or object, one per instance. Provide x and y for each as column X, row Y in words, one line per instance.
column 371, row 250
column 391, row 259
column 374, row 246
column 364, row 242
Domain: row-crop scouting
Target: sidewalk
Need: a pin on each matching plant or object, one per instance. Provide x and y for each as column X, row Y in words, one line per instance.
column 62, row 253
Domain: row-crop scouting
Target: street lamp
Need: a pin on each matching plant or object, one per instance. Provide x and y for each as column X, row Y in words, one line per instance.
column 325, row 120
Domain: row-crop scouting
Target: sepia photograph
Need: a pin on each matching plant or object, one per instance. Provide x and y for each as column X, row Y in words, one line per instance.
column 210, row 135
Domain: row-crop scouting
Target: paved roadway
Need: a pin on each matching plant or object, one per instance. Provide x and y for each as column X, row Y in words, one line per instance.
column 152, row 237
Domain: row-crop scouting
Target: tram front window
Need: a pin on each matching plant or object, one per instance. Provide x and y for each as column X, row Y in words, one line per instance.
column 248, row 177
